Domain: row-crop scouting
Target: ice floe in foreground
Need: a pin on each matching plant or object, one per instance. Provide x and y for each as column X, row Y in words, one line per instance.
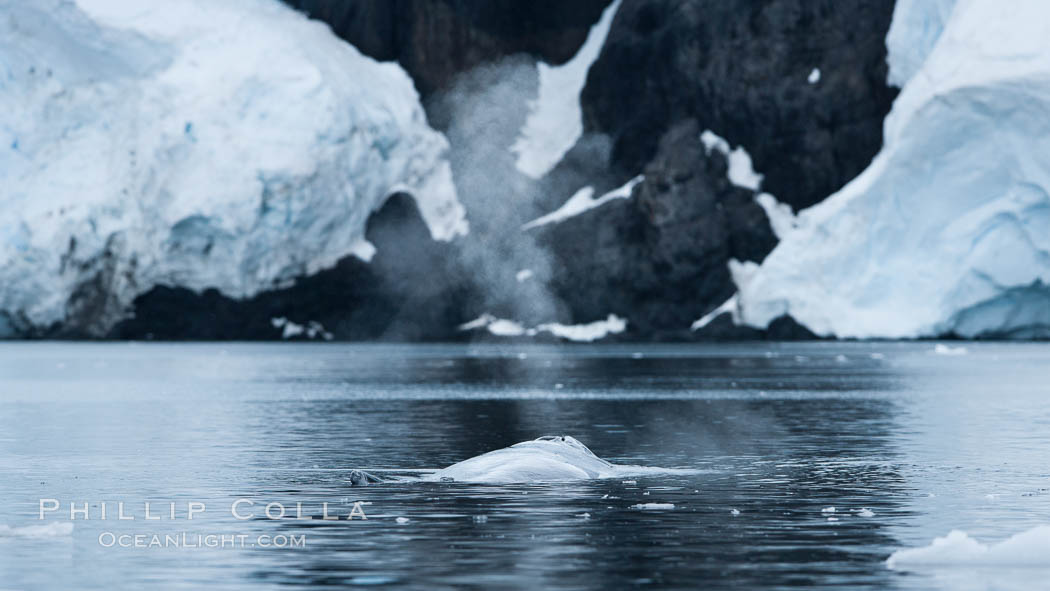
column 653, row 506
column 948, row 230
column 1030, row 548
column 942, row 349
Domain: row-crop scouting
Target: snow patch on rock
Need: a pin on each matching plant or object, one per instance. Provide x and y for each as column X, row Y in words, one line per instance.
column 592, row 331
column 583, row 200
column 781, row 217
column 948, row 230
column 727, row 307
column 289, row 329
column 555, row 120
column 584, row 333
column 192, row 143
column 741, row 172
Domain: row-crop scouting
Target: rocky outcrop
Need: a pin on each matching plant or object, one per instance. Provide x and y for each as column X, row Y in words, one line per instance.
column 799, row 84
column 660, row 257
column 434, row 40
column 743, row 70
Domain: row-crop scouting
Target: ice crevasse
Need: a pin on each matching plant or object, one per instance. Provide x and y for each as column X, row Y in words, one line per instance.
column 948, row 229
column 234, row 145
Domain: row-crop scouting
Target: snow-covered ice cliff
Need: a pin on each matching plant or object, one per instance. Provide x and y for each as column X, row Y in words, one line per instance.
column 233, row 144
column 948, row 230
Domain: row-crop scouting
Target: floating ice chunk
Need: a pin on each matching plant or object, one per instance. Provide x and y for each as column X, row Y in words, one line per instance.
column 653, row 506
column 942, row 349
column 583, row 200
column 734, row 512
column 523, row 275
column 828, row 510
column 48, row 530
column 629, row 482
column 584, row 515
column 402, row 520
column 814, row 76
column 833, row 518
column 479, row 322
column 865, row 512
column 555, row 120
column 1030, row 548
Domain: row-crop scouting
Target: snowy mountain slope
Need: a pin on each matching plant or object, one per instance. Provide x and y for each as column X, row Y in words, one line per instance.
column 948, row 230
column 234, row 145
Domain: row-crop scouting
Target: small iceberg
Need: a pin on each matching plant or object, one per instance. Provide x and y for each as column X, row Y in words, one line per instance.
column 942, row 349
column 653, row 506
column 1030, row 548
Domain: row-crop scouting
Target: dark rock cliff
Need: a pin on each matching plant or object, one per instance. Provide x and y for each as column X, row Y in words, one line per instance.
column 660, row 257
column 434, row 40
column 672, row 68
column 741, row 69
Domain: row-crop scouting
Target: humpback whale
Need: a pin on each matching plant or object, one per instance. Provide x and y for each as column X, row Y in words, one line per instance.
column 548, row 458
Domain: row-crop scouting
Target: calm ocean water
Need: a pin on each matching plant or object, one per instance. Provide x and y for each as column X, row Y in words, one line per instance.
column 905, row 443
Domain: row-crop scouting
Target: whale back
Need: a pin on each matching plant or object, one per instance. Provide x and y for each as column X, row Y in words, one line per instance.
column 547, row 458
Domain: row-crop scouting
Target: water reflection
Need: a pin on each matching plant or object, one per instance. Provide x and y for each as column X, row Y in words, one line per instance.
column 778, row 462
column 778, row 433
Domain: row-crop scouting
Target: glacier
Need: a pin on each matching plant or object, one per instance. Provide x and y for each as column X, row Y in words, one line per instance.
column 948, row 230
column 233, row 145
